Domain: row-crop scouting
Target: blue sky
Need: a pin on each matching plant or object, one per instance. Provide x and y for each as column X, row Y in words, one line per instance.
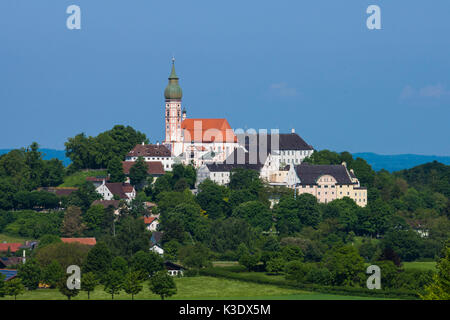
column 311, row 65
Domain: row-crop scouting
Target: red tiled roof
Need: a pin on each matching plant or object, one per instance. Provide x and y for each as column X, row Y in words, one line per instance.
column 96, row 179
column 127, row 188
column 86, row 241
column 107, row 203
column 150, row 204
column 59, row 191
column 207, row 130
column 149, row 150
column 13, row 247
column 149, row 220
column 119, row 189
column 154, row 167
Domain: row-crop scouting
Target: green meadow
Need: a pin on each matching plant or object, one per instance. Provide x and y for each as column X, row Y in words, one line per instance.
column 198, row 288
column 79, row 177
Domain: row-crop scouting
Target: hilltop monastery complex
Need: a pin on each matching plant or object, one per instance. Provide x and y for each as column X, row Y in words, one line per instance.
column 215, row 150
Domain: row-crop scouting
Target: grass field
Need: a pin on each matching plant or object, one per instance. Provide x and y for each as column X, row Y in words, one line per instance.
column 79, row 177
column 200, row 288
column 7, row 238
column 424, row 266
column 357, row 241
column 225, row 263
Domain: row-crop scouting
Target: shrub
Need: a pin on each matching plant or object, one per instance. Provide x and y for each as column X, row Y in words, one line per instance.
column 320, row 276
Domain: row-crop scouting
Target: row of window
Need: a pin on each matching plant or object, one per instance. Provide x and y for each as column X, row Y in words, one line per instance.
column 222, row 174
column 348, row 193
column 294, row 152
column 153, row 158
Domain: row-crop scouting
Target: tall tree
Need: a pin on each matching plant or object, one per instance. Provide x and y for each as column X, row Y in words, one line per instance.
column 93, row 218
column 131, row 237
column 30, row 274
column 72, row 223
column 52, row 274
column 255, row 213
column 96, row 152
column 14, row 287
column 88, row 283
column 132, row 284
column 163, row 285
column 64, row 290
column 439, row 289
column 138, row 173
column 113, row 282
column 84, row 196
column 115, row 170
column 98, row 260
column 146, row 263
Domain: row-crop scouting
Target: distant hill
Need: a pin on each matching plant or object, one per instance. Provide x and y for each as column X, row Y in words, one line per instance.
column 398, row 162
column 48, row 154
column 377, row 161
column 432, row 175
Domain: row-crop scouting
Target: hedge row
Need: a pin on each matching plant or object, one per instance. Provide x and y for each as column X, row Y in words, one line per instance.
column 259, row 278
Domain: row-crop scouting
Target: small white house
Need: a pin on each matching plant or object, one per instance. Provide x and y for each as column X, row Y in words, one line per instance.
column 173, row 269
column 156, row 248
column 124, row 191
column 151, row 223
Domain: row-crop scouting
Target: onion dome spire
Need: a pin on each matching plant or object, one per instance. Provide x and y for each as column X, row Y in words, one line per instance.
column 173, row 89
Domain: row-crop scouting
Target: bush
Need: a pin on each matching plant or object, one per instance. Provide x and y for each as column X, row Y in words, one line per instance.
column 320, row 276
column 413, row 279
column 191, row 273
column 275, row 265
column 297, row 271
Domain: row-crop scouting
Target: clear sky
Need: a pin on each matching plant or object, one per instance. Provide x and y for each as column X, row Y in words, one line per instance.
column 309, row 65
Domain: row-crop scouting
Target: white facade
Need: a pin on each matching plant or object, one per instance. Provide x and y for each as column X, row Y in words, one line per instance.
column 200, row 153
column 107, row 194
column 219, row 177
column 293, row 157
column 157, row 249
column 166, row 161
column 153, row 225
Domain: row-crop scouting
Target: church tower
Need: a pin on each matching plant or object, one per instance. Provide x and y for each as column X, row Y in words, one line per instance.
column 173, row 115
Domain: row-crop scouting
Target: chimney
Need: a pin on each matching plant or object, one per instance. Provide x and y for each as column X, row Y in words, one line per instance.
column 143, row 143
column 157, row 143
column 292, row 130
column 344, row 164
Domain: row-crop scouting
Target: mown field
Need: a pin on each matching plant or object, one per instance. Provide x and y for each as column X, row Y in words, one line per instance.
column 424, row 266
column 79, row 177
column 198, row 288
column 11, row 239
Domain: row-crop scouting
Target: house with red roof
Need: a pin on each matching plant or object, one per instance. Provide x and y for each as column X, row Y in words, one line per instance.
column 11, row 247
column 151, row 223
column 154, row 168
column 97, row 181
column 155, row 155
column 112, row 190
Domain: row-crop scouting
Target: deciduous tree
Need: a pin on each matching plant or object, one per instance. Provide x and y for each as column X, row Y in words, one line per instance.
column 163, row 285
